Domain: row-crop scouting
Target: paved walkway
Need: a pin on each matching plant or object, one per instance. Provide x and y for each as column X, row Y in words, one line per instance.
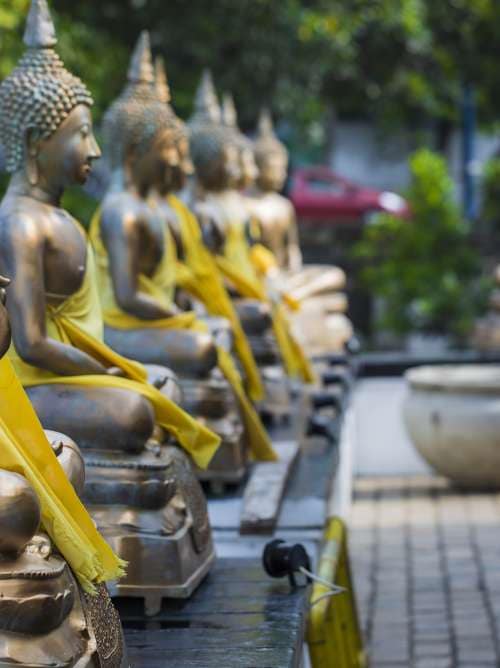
column 426, row 561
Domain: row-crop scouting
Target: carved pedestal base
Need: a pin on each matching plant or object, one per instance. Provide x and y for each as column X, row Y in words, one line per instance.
column 276, row 404
column 214, row 403
column 264, row 348
column 159, row 566
column 151, row 509
column 230, row 463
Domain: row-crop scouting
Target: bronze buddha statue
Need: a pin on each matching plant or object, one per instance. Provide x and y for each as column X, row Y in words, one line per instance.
column 315, row 287
column 215, row 151
column 45, row 617
column 141, row 489
column 140, row 146
column 199, row 276
column 215, row 143
column 138, row 245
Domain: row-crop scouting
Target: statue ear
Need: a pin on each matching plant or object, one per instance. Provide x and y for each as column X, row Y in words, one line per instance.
column 32, row 147
column 128, row 166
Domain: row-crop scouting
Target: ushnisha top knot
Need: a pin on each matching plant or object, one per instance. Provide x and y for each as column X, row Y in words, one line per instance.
column 40, row 93
column 267, row 143
column 208, row 135
column 207, row 110
column 230, row 122
column 136, row 117
column 164, row 94
column 161, row 81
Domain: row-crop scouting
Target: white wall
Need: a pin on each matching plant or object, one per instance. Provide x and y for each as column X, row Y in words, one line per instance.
column 379, row 160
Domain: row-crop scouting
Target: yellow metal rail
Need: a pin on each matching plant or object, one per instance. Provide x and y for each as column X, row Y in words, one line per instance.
column 333, row 632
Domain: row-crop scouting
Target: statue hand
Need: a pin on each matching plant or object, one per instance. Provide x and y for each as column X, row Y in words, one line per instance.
column 160, row 382
column 115, row 371
column 4, row 282
column 40, row 544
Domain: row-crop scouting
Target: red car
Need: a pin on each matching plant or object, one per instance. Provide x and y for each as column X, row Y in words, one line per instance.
column 319, row 194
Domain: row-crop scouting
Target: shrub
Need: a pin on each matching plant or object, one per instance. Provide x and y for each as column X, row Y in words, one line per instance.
column 424, row 268
column 490, row 210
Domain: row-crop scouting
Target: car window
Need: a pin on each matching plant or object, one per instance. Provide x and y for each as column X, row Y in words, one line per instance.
column 323, row 185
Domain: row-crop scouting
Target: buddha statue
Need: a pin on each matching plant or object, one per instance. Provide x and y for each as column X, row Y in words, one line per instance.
column 216, row 150
column 137, row 262
column 315, row 287
column 46, row 618
column 140, row 488
column 198, row 275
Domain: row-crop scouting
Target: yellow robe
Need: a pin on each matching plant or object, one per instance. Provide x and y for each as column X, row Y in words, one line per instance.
column 238, row 268
column 161, row 287
column 198, row 274
column 77, row 321
column 24, row 449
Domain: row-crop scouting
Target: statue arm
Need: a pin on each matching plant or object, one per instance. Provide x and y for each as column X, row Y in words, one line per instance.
column 211, row 233
column 294, row 252
column 23, row 261
column 121, row 236
column 4, row 318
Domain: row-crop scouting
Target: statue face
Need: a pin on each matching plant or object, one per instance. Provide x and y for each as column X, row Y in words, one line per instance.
column 272, row 172
column 157, row 167
column 4, row 319
column 248, row 168
column 66, row 158
column 185, row 167
column 231, row 165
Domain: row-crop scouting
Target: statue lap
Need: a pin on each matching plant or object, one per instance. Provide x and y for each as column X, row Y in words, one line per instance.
column 188, row 353
column 95, row 417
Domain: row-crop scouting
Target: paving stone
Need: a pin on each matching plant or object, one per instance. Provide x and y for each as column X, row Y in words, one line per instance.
column 428, row 564
column 435, row 662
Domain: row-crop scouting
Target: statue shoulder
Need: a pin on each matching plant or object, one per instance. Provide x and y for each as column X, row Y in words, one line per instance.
column 119, row 212
column 283, row 205
column 20, row 218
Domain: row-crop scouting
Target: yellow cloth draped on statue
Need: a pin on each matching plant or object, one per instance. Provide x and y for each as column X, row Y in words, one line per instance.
column 237, row 267
column 266, row 264
column 164, row 278
column 198, row 275
column 77, row 321
column 24, row 449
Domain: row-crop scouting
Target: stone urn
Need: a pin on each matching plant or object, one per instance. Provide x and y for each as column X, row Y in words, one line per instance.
column 452, row 415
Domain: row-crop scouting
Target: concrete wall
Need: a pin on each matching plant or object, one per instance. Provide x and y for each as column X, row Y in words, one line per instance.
column 379, row 160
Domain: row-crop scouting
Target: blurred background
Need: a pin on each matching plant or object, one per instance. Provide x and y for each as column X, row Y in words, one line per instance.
column 389, row 109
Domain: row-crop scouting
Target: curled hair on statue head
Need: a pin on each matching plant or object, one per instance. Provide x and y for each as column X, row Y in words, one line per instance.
column 139, row 115
column 40, row 93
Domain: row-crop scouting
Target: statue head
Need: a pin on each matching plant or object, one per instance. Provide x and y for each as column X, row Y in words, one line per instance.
column 45, row 119
column 248, row 171
column 271, row 156
column 213, row 150
column 140, row 133
column 184, row 167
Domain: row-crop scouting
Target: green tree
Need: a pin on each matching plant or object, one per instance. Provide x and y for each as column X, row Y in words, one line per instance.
column 400, row 62
column 424, row 269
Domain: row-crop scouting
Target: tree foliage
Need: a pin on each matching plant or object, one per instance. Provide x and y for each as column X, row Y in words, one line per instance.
column 398, row 61
column 424, row 269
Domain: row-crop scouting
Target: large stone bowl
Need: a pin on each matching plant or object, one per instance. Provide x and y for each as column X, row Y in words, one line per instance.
column 452, row 415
